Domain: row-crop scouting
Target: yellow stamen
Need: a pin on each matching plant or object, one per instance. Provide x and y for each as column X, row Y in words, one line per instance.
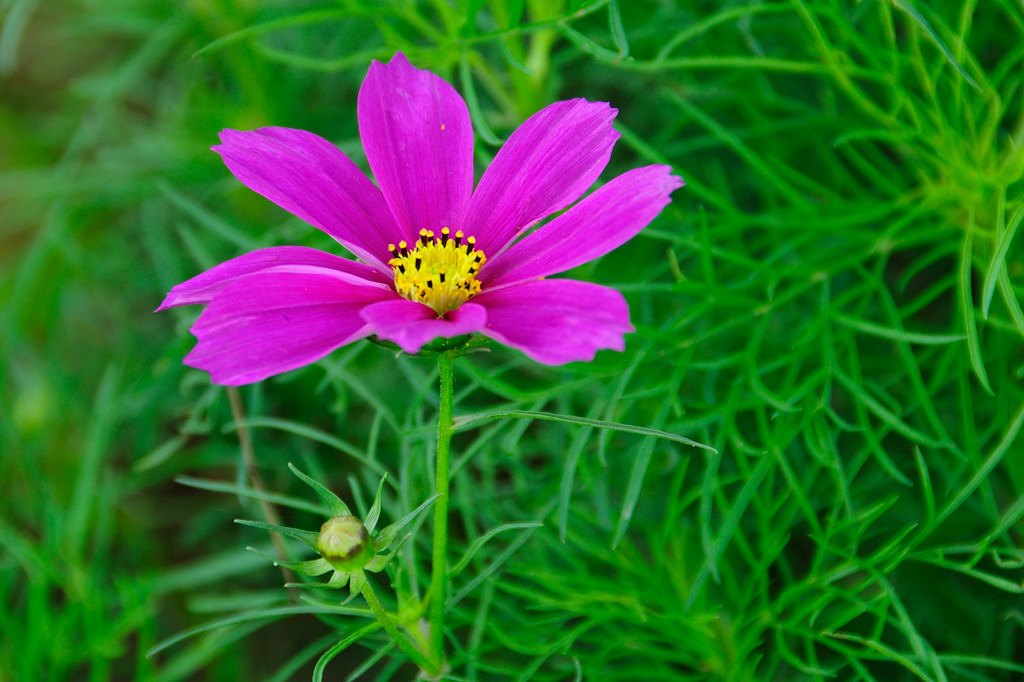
column 439, row 271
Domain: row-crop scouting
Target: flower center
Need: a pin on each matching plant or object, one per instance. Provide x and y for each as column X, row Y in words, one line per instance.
column 438, row 271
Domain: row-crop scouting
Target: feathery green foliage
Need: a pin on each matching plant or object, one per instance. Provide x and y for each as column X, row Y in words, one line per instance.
column 833, row 303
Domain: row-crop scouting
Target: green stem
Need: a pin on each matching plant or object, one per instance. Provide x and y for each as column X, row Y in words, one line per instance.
column 439, row 567
column 389, row 626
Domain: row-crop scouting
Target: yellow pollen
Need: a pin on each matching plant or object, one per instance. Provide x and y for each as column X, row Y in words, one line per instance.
column 439, row 271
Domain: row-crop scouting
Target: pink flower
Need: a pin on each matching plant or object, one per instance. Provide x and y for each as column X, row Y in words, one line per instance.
column 436, row 259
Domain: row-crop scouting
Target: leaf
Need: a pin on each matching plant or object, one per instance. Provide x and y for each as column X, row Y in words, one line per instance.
column 246, row 616
column 203, row 217
column 101, row 432
column 895, row 334
column 316, row 17
column 998, row 262
column 729, row 526
column 371, row 517
column 313, row 567
column 470, row 421
column 244, row 491
column 337, row 507
column 498, row 562
column 997, row 455
column 387, row 535
column 586, row 44
column 617, row 29
column 310, row 433
column 480, row 125
column 306, row 536
column 636, row 479
column 482, row 540
column 908, row 7
column 883, row 413
column 570, row 462
column 318, row 671
column 380, row 562
column 967, row 311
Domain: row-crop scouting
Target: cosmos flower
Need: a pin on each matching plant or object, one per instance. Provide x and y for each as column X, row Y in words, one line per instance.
column 436, row 258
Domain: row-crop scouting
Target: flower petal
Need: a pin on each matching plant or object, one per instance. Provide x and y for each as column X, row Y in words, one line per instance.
column 272, row 322
column 601, row 222
column 547, row 163
column 556, row 321
column 411, row 324
column 419, row 142
column 310, row 177
column 203, row 287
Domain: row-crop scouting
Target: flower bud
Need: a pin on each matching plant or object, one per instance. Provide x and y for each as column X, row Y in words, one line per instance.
column 344, row 543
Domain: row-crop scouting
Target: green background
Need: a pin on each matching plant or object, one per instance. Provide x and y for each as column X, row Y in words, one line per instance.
column 833, row 302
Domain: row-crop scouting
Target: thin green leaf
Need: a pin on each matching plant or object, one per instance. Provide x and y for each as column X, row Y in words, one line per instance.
column 569, row 464
column 895, row 334
column 310, row 433
column 728, row 529
column 908, row 7
column 11, row 33
column 883, row 413
column 313, row 567
column 259, row 614
column 997, row 455
column 371, row 517
column 498, row 562
column 586, row 44
column 617, row 29
column 730, row 139
column 160, row 454
column 334, row 503
column 387, row 535
column 480, row 125
column 967, row 311
column 926, row 485
column 482, row 540
column 321, row 65
column 306, row 536
column 469, row 421
column 316, row 17
column 633, row 489
column 998, row 262
column 1010, row 298
column 245, row 491
column 96, row 447
column 206, row 219
column 329, row 655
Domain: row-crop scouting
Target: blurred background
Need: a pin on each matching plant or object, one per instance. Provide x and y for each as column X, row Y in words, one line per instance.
column 833, row 302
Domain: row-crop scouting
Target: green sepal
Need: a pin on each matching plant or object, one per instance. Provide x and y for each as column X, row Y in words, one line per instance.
column 380, row 562
column 387, row 535
column 338, row 580
column 338, row 508
column 313, row 567
column 355, row 586
column 306, row 536
column 463, row 343
column 374, row 514
column 438, row 346
column 313, row 586
column 384, row 344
